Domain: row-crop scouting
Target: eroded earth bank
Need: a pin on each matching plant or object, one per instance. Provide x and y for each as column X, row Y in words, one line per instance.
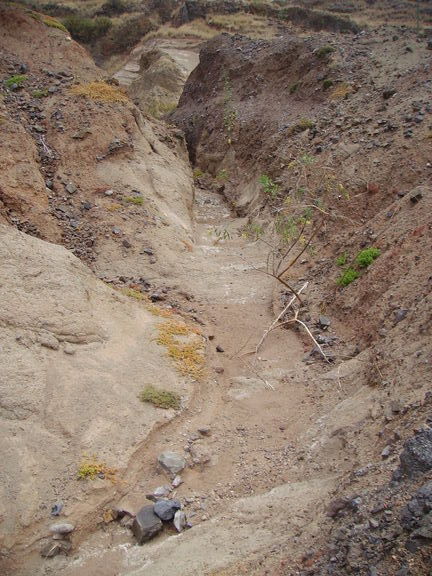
column 138, row 252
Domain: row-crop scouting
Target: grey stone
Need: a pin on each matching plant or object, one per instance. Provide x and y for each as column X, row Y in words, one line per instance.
column 61, row 528
column 386, row 452
column 416, row 456
column 71, row 188
column 172, row 462
column 146, row 525
column 180, row 521
column 324, row 321
column 177, row 481
column 400, row 314
column 166, row 509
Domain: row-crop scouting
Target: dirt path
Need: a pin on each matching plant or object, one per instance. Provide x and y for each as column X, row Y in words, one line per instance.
column 254, row 409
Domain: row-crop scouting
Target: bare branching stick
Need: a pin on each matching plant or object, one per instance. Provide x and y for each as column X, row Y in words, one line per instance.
column 273, row 324
column 323, row 354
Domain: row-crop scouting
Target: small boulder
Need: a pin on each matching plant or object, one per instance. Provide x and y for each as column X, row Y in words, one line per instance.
column 166, row 509
column 146, row 525
column 416, row 457
column 63, row 528
column 172, row 462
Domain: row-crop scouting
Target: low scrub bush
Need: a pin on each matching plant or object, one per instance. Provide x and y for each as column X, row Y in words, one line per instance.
column 348, row 276
column 160, row 398
column 16, row 81
column 127, row 34
column 87, row 29
column 367, row 256
column 325, row 51
column 91, row 468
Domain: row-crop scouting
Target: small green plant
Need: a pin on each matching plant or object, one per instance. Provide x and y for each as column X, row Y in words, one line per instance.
column 367, row 256
column 325, row 51
column 294, row 87
column 269, row 186
column 16, row 81
column 252, row 231
column 348, row 276
column 40, row 93
column 160, row 398
column 137, row 200
column 302, row 125
column 327, row 83
column 342, row 259
column 90, row 468
column 221, row 234
column 197, row 173
column 222, row 175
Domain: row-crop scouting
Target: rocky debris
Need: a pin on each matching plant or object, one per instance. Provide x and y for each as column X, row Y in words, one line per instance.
column 416, row 457
column 172, row 462
column 324, row 322
column 199, row 453
column 416, row 518
column 180, row 521
column 146, row 524
column 57, row 508
column 166, row 509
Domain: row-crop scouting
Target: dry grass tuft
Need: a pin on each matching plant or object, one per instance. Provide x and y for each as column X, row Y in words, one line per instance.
column 341, row 91
column 90, row 467
column 100, row 91
column 150, row 307
column 185, row 346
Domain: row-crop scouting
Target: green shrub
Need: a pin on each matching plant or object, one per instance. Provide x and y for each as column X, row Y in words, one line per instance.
column 294, row 88
column 125, row 35
column 325, row 51
column 367, row 256
column 327, row 83
column 87, row 29
column 269, row 186
column 160, row 398
column 342, row 259
column 347, row 277
column 138, row 200
column 16, row 81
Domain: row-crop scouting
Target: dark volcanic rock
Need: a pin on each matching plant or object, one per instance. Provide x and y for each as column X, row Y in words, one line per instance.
column 166, row 509
column 146, row 525
column 416, row 456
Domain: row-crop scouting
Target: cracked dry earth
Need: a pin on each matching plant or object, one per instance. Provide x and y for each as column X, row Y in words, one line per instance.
column 256, row 409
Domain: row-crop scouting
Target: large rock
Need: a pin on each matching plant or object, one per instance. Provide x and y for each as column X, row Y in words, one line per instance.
column 146, row 525
column 416, row 456
column 172, row 462
column 166, row 509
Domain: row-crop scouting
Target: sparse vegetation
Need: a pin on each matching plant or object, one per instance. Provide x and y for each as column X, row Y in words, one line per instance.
column 160, row 398
column 294, row 87
column 222, row 175
column 327, row 83
column 270, row 187
column 324, row 51
column 197, row 173
column 367, row 256
column 100, row 91
column 230, row 115
column 40, row 93
column 301, row 126
column 16, row 81
column 348, row 276
column 137, row 200
column 90, row 468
